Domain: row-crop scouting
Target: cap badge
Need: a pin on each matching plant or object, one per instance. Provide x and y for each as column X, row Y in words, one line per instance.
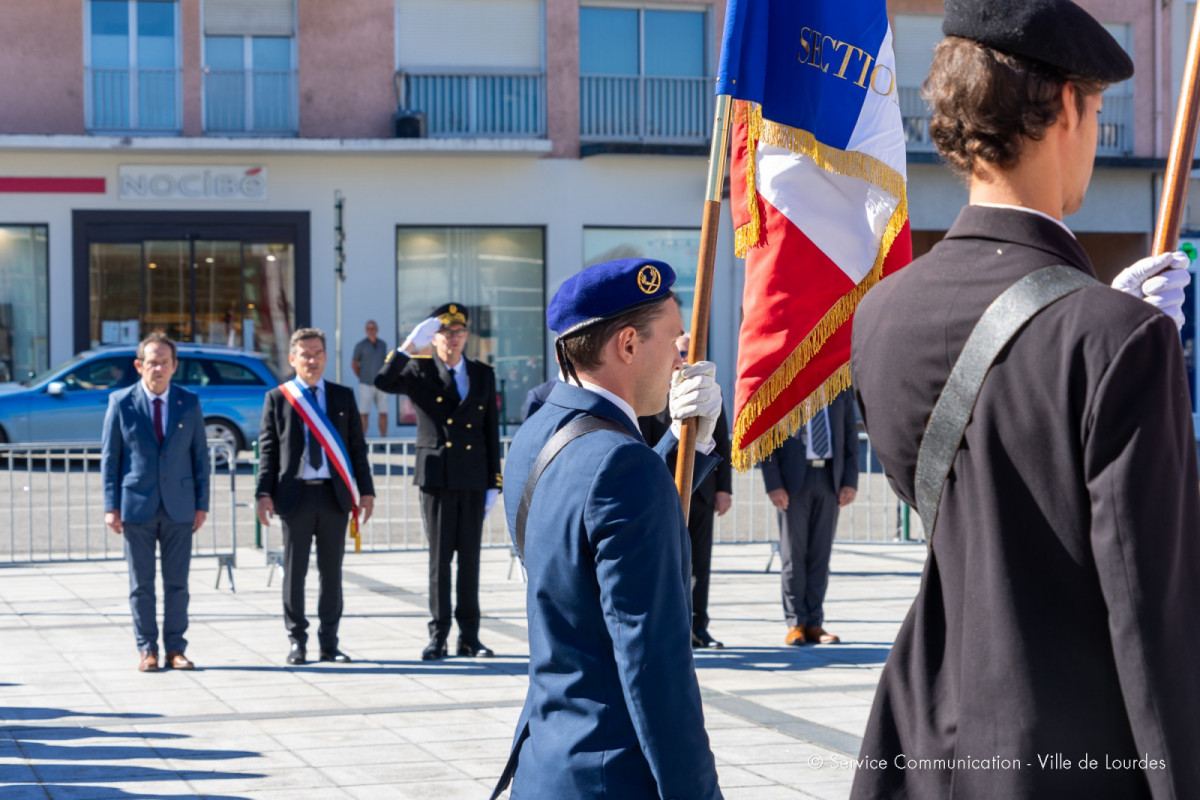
column 648, row 279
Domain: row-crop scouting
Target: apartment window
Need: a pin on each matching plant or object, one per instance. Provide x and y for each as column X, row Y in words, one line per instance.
column 1115, row 136
column 133, row 76
column 472, row 67
column 644, row 74
column 24, row 302
column 679, row 247
column 499, row 274
column 249, row 67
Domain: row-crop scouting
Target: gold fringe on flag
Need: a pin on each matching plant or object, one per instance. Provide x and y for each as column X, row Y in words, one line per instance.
column 746, row 456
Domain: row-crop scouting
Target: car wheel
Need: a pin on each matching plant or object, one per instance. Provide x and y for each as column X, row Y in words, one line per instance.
column 227, row 432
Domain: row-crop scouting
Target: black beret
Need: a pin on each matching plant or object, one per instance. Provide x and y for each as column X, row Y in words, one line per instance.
column 1054, row 32
column 451, row 314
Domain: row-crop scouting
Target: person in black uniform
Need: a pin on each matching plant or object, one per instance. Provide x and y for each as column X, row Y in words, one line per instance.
column 1055, row 621
column 812, row 475
column 712, row 496
column 458, row 464
column 297, row 482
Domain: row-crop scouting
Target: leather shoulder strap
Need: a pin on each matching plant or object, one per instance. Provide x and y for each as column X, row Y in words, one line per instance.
column 577, row 427
column 1006, row 315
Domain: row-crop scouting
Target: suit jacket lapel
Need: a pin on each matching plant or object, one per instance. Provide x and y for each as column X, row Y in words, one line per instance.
column 144, row 413
column 172, row 411
column 447, row 377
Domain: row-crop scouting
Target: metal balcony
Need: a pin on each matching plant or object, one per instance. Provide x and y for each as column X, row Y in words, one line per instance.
column 476, row 104
column 255, row 102
column 123, row 99
column 637, row 108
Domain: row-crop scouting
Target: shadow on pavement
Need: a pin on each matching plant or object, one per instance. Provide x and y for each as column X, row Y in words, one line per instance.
column 16, row 714
column 784, row 657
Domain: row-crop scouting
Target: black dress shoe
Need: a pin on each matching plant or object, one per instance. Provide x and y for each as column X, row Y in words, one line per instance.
column 297, row 655
column 475, row 649
column 702, row 640
column 434, row 650
column 334, row 655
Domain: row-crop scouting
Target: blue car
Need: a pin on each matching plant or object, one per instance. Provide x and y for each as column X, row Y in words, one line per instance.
column 67, row 403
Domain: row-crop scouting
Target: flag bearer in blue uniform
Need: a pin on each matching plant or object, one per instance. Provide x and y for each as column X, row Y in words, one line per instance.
column 613, row 708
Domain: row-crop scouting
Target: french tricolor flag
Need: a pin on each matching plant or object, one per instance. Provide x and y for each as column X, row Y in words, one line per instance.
column 817, row 192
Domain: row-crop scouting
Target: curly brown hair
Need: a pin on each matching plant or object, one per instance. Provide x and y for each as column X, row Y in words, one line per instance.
column 986, row 104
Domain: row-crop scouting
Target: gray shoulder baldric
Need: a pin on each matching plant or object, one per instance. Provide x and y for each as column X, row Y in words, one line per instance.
column 1007, row 314
column 572, row 430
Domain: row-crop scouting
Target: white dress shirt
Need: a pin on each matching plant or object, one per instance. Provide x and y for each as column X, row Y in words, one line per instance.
column 307, row 473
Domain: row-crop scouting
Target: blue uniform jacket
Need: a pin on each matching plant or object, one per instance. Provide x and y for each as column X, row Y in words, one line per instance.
column 139, row 473
column 613, row 709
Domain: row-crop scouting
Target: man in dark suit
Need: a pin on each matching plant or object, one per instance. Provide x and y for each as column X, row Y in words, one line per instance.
column 535, row 398
column 301, row 478
column 808, row 479
column 154, row 459
column 713, row 496
column 458, row 464
column 1056, row 612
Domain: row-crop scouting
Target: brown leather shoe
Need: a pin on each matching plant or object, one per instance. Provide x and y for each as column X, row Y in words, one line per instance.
column 818, row 635
column 795, row 636
column 177, row 660
column 149, row 662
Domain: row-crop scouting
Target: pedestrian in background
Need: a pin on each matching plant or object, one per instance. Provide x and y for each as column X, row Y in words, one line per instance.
column 458, row 464
column 368, row 358
column 312, row 462
column 154, row 462
column 812, row 475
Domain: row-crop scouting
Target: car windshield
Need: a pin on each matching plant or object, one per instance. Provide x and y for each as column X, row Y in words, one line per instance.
column 43, row 375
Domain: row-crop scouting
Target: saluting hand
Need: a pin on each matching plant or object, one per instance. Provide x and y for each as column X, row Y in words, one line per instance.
column 422, row 335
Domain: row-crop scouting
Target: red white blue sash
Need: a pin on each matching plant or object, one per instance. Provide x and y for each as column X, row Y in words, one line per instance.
column 294, row 391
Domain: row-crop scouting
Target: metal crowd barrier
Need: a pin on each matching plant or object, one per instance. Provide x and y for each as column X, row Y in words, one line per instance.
column 52, row 499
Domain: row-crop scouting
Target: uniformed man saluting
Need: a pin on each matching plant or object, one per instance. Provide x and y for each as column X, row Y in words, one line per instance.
column 458, row 464
column 613, row 708
column 1055, row 623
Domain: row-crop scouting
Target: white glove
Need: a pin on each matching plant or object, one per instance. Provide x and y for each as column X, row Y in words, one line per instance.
column 422, row 335
column 695, row 393
column 1163, row 291
column 490, row 500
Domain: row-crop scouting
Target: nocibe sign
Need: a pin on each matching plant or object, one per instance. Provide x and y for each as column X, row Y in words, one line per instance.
column 191, row 182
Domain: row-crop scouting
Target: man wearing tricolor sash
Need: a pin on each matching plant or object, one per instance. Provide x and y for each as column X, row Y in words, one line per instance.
column 313, row 472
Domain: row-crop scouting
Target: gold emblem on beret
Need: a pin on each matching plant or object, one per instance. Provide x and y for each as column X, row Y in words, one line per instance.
column 648, row 279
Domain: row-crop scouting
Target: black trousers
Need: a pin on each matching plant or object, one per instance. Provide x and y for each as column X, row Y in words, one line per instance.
column 805, row 546
column 317, row 516
column 700, row 530
column 453, row 524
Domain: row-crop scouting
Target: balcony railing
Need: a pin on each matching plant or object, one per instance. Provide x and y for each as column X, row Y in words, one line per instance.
column 1115, row 135
column 250, row 101
column 126, row 99
column 637, row 108
column 467, row 104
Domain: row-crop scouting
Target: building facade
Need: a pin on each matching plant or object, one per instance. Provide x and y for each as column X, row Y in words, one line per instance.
column 207, row 166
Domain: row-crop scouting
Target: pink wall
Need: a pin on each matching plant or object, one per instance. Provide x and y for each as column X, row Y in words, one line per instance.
column 562, row 77
column 193, row 109
column 41, row 61
column 347, row 60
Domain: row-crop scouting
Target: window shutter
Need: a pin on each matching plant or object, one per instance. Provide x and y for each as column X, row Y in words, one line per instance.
column 454, row 35
column 250, row 17
column 916, row 35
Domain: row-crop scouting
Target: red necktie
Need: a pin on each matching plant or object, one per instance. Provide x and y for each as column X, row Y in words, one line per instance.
column 158, row 420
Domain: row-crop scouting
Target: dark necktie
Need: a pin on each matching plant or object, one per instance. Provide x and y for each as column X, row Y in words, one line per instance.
column 158, row 420
column 315, row 456
column 818, row 429
column 454, row 393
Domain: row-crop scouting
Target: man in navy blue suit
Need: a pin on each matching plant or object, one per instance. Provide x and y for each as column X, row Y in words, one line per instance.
column 613, row 708
column 154, row 459
column 812, row 475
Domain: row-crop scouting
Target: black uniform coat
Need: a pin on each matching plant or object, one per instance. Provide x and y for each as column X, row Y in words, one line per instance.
column 1057, row 610
column 458, row 445
column 720, row 479
column 281, row 443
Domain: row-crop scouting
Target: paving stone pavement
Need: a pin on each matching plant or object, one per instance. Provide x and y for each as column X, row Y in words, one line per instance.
column 78, row 721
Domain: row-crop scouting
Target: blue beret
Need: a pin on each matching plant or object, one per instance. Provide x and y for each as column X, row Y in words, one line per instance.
column 606, row 290
column 1054, row 32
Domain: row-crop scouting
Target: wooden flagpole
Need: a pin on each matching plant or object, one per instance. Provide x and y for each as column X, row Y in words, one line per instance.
column 1183, row 149
column 702, row 302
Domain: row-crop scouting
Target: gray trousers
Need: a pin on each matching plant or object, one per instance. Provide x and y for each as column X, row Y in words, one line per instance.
column 175, row 541
column 805, row 545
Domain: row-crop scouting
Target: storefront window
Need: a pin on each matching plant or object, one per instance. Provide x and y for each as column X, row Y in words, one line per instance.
column 679, row 247
column 498, row 273
column 24, row 302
